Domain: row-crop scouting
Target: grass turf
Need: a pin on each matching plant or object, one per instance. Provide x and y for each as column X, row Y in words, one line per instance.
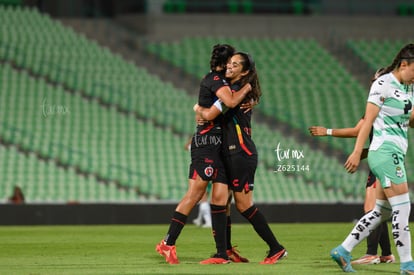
column 125, row 249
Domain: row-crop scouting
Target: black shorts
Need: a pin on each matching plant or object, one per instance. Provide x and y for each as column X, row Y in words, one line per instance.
column 206, row 160
column 371, row 179
column 240, row 170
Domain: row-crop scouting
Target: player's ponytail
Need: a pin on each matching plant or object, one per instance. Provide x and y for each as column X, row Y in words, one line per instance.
column 377, row 74
column 220, row 55
column 406, row 53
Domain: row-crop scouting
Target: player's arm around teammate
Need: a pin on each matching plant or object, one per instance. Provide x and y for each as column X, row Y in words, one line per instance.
column 206, row 164
column 240, row 154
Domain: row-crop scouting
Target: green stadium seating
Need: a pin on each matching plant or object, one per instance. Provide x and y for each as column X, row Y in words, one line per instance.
column 288, row 79
column 114, row 121
column 94, row 139
column 376, row 53
column 45, row 182
column 294, row 92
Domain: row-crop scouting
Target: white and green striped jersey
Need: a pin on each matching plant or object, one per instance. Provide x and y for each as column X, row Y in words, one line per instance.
column 395, row 102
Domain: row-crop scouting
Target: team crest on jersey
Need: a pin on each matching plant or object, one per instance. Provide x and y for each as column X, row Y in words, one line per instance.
column 399, row 172
column 208, row 171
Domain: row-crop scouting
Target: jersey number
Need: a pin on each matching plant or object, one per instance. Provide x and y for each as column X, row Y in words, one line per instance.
column 407, row 106
column 396, row 160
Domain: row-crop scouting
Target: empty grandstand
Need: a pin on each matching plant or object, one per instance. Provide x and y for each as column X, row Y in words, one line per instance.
column 87, row 117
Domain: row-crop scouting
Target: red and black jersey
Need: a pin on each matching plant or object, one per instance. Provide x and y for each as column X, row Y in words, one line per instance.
column 206, row 143
column 237, row 130
column 209, row 86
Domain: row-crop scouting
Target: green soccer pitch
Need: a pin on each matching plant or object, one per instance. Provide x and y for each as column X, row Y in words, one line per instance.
column 130, row 249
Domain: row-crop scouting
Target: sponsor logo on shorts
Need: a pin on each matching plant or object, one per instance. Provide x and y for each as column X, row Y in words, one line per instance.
column 208, row 171
column 398, row 172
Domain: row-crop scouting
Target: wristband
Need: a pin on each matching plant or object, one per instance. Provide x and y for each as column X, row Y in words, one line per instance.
column 218, row 105
column 329, row 132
